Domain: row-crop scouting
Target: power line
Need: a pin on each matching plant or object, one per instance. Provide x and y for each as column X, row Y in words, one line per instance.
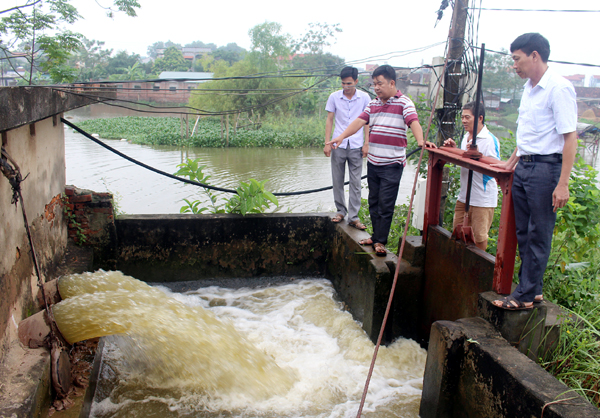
column 534, row 10
column 554, row 61
column 195, row 183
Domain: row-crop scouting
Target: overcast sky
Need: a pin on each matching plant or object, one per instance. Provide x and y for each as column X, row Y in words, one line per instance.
column 370, row 29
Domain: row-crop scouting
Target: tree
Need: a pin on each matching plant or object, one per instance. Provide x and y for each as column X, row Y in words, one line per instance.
column 91, row 59
column 200, row 44
column 318, row 36
column 156, row 47
column 133, row 72
column 172, row 60
column 38, row 24
column 231, row 53
column 119, row 64
column 269, row 44
column 498, row 76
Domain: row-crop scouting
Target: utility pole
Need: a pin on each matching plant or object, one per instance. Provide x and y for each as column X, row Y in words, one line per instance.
column 452, row 77
column 452, row 85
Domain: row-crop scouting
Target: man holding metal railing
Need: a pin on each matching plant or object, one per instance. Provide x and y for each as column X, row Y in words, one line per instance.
column 484, row 190
column 546, row 149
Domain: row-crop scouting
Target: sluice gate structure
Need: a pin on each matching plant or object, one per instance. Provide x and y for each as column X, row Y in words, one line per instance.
column 477, row 363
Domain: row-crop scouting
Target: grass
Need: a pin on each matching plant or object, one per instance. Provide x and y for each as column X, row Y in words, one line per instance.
column 273, row 132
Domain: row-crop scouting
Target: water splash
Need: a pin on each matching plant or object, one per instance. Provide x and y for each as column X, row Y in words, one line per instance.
column 174, row 344
column 299, row 327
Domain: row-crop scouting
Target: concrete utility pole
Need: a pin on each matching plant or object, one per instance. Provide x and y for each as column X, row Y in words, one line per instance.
column 452, row 78
column 451, row 83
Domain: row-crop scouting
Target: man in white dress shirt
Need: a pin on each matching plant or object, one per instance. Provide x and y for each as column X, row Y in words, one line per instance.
column 343, row 107
column 546, row 149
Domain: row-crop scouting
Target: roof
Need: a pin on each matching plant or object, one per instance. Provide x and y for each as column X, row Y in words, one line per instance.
column 188, row 76
column 583, row 128
column 575, row 77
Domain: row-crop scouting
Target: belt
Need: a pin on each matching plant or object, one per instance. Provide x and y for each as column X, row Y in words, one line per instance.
column 550, row 158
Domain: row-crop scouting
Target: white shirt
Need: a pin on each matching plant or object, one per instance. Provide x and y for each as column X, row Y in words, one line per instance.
column 484, row 190
column 547, row 112
column 346, row 111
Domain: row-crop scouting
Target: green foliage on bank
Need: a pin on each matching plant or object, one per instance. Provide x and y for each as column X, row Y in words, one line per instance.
column 275, row 132
column 250, row 197
column 572, row 278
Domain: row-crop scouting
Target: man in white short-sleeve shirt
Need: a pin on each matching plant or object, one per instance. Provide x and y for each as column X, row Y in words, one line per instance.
column 343, row 107
column 484, row 190
column 546, row 149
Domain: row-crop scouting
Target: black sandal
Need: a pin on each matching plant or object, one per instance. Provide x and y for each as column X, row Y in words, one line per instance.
column 511, row 304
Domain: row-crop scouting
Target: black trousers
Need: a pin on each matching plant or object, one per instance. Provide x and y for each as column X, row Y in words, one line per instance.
column 384, row 182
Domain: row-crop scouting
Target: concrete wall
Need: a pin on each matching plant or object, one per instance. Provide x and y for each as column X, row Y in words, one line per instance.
column 34, row 138
column 40, row 156
column 165, row 248
column 471, row 371
column 455, row 274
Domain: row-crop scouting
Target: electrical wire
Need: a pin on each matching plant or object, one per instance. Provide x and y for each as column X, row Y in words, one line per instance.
column 195, row 183
column 536, row 10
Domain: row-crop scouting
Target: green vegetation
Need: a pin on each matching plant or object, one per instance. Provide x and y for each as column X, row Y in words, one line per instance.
column 251, row 197
column 273, row 132
column 37, row 28
column 571, row 279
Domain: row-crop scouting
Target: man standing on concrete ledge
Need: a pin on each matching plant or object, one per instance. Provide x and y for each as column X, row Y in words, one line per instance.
column 346, row 105
column 546, row 148
column 388, row 117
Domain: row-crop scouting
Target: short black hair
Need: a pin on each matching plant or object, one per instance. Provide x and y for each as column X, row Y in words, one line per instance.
column 471, row 106
column 387, row 71
column 529, row 42
column 349, row 72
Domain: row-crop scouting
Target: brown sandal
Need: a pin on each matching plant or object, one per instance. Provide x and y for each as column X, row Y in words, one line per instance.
column 366, row 241
column 379, row 249
column 337, row 219
column 358, row 225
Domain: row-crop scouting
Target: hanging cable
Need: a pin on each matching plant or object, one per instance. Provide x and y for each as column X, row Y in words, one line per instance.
column 195, row 183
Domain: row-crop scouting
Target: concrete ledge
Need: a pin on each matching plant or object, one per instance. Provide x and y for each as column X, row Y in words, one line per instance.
column 25, row 388
column 32, row 104
column 524, row 330
column 364, row 281
column 471, row 371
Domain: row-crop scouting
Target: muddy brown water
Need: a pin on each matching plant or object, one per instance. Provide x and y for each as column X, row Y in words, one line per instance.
column 139, row 191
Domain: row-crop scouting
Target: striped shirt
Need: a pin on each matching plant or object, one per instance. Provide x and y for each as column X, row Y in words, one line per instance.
column 387, row 128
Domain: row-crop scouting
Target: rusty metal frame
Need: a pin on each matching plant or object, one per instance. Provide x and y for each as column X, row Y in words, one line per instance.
column 507, row 237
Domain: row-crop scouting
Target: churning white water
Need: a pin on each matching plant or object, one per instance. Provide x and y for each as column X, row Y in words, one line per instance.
column 312, row 358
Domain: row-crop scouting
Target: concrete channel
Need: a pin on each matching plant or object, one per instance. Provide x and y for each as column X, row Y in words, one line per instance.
column 478, row 363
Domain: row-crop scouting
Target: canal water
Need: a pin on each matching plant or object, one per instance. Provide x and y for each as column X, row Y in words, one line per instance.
column 140, row 191
column 283, row 351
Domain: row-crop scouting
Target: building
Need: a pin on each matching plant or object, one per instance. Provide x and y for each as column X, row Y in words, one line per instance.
column 577, row 80
column 175, row 87
column 189, row 53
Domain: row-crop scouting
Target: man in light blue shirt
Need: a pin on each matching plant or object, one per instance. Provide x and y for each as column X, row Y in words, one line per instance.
column 343, row 107
column 546, row 149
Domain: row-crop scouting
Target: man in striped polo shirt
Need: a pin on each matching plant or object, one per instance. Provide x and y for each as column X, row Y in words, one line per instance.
column 388, row 117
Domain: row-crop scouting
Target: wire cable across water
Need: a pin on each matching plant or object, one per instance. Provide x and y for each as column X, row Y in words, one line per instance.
column 195, row 183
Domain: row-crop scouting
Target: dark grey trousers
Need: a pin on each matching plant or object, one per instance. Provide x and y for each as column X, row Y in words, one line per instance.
column 339, row 158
